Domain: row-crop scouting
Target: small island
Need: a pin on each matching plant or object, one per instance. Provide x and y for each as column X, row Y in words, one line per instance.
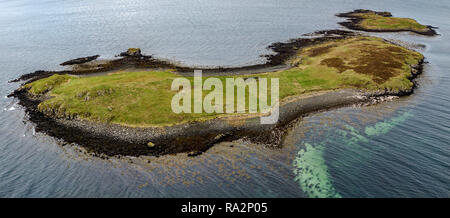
column 373, row 21
column 142, row 98
column 110, row 109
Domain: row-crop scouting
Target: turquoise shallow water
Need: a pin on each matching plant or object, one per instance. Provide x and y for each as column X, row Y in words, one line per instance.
column 355, row 160
column 395, row 149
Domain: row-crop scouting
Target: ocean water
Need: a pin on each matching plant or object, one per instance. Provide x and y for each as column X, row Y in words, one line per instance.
column 394, row 149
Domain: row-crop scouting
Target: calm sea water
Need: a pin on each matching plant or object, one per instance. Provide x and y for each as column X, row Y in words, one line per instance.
column 395, row 149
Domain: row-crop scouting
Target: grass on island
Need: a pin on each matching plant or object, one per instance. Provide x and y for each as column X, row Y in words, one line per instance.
column 144, row 98
column 373, row 21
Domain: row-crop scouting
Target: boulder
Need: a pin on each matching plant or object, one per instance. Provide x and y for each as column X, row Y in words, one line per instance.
column 132, row 52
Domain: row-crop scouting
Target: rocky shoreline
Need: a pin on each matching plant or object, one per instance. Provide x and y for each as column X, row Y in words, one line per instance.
column 194, row 137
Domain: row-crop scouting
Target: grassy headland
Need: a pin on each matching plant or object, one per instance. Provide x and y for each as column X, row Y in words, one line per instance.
column 144, row 98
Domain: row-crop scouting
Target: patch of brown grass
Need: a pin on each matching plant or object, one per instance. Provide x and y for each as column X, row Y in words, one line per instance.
column 381, row 63
column 337, row 63
column 366, row 56
column 320, row 50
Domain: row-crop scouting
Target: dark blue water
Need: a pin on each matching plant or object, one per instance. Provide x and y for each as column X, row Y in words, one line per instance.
column 395, row 149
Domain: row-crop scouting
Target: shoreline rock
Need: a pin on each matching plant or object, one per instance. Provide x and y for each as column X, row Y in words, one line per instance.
column 131, row 52
column 80, row 60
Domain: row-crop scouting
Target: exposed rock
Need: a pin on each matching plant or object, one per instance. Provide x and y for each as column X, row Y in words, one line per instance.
column 131, row 52
column 80, row 60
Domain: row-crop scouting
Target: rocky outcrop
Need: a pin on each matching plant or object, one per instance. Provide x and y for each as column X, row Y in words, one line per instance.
column 80, row 60
column 131, row 52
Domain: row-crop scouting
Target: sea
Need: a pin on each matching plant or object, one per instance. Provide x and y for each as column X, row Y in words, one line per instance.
column 399, row 148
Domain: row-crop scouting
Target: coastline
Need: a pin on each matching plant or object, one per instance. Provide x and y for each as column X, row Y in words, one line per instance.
column 194, row 137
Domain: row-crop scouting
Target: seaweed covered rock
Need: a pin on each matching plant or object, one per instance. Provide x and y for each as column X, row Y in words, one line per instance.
column 131, row 52
column 80, row 60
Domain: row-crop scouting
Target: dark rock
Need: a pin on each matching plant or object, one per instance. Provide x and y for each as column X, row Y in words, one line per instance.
column 80, row 60
column 131, row 52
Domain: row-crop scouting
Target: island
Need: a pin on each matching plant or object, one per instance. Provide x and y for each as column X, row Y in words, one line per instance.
column 123, row 106
column 373, row 21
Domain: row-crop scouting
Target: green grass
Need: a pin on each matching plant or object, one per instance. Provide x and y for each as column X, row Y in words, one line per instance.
column 373, row 21
column 45, row 85
column 144, row 98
